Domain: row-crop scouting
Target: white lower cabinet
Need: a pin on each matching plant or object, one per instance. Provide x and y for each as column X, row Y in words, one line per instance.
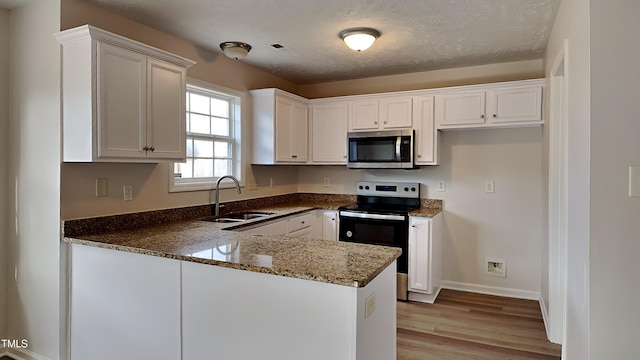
column 123, row 305
column 314, row 224
column 330, row 225
column 425, row 265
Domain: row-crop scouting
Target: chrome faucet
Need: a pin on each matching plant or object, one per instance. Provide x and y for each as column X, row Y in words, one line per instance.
column 218, row 191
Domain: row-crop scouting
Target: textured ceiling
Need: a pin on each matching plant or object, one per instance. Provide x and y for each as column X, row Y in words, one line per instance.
column 417, row 35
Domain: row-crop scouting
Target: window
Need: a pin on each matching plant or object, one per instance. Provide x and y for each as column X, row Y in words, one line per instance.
column 213, row 137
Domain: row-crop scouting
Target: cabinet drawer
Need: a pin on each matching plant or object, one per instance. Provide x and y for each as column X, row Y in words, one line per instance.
column 300, row 222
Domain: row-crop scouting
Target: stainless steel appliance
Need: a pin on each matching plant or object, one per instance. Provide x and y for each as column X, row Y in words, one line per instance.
column 380, row 217
column 390, row 149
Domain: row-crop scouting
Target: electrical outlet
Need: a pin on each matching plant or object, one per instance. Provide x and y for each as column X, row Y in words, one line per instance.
column 489, row 187
column 253, row 186
column 101, row 187
column 370, row 305
column 127, row 191
column 441, row 186
column 325, row 182
column 495, row 267
column 271, row 182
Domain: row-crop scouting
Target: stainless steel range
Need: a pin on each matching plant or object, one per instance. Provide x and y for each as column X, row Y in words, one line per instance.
column 380, row 217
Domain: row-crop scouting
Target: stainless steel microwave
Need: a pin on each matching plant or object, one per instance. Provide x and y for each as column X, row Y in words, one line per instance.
column 390, row 149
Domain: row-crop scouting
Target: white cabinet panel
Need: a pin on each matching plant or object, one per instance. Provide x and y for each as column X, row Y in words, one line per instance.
column 123, row 101
column 515, row 105
column 330, row 225
column 363, row 114
column 464, row 108
column 123, row 305
column 426, row 135
column 425, row 263
column 396, row 112
column 329, row 132
column 280, row 127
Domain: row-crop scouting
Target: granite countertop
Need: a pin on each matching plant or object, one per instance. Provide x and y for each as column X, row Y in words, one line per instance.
column 224, row 244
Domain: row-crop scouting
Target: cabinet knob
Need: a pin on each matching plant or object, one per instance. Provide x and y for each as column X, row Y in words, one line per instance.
column 419, row 155
column 302, row 222
column 375, row 123
column 344, row 156
column 494, row 116
column 294, row 156
column 385, row 121
column 413, row 226
column 333, row 219
column 146, row 148
column 152, row 148
column 482, row 116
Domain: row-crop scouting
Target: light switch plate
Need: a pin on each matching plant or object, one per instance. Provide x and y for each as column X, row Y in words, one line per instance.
column 489, row 186
column 441, row 186
column 634, row 181
column 101, row 187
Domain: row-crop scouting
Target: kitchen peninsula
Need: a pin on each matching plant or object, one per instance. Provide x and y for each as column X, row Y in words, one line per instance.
column 189, row 289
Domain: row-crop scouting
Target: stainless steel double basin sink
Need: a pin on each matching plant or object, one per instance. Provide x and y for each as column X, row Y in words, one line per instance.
column 239, row 217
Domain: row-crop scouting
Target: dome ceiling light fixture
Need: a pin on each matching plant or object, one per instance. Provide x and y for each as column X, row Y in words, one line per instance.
column 360, row 38
column 235, row 50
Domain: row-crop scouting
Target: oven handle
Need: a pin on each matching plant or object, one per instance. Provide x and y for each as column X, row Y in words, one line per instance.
column 359, row 215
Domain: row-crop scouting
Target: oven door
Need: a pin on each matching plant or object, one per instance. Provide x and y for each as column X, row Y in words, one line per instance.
column 379, row 229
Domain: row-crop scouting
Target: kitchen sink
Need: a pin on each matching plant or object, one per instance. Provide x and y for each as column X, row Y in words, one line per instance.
column 238, row 217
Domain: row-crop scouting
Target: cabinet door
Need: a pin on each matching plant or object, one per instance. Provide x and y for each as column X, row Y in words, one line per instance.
column 396, row 112
column 166, row 123
column 283, row 124
column 330, row 225
column 420, row 255
column 121, row 99
column 329, row 133
column 458, row 109
column 299, row 132
column 426, row 139
column 515, row 105
column 363, row 115
column 280, row 227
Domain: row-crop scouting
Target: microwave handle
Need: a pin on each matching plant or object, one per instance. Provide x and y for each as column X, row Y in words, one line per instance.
column 398, row 145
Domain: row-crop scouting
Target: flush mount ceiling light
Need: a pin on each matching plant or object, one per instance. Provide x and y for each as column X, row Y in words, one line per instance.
column 359, row 39
column 235, row 50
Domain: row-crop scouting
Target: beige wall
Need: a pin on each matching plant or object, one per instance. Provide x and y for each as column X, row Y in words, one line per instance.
column 481, row 74
column 34, row 171
column 615, row 145
column 4, row 164
column 150, row 182
column 572, row 23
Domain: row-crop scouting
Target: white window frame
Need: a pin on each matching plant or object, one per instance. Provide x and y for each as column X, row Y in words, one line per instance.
column 237, row 151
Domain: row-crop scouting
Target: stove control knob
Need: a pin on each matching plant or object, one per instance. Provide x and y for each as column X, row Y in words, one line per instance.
column 349, row 234
column 413, row 189
column 360, row 187
column 366, row 187
column 406, row 189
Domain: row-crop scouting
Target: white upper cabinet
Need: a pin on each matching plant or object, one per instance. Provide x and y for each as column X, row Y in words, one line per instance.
column 123, row 101
column 329, row 132
column 497, row 105
column 426, row 136
column 280, row 127
column 515, row 105
column 396, row 112
column 363, row 115
column 457, row 109
column 380, row 113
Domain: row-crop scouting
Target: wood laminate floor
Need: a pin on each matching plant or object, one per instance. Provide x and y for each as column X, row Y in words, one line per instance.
column 462, row 325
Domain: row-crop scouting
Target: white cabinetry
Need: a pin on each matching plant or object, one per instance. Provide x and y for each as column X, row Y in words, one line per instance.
column 496, row 105
column 306, row 225
column 380, row 113
column 280, row 127
column 115, row 297
column 425, row 266
column 330, row 225
column 329, row 132
column 122, row 100
column 426, row 136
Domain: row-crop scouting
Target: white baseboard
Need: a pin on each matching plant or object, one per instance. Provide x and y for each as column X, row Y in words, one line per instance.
column 429, row 299
column 545, row 317
column 24, row 354
column 492, row 290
